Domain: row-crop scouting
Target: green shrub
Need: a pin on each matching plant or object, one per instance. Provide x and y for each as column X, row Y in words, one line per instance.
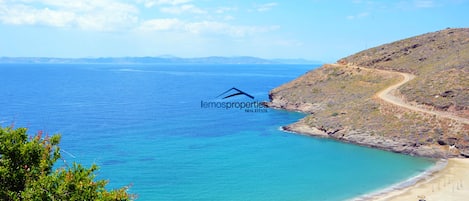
column 26, row 171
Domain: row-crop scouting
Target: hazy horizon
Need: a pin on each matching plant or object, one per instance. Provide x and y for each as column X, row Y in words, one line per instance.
column 313, row 30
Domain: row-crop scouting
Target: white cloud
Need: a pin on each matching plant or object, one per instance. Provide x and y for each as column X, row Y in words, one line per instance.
column 185, row 8
column 358, row 16
column 103, row 15
column 109, row 15
column 203, row 27
column 228, row 29
column 266, row 7
column 420, row 4
column 20, row 14
column 222, row 10
column 151, row 3
column 229, row 17
column 424, row 4
column 161, row 25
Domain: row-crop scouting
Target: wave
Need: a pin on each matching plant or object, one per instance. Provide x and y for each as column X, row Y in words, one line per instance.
column 439, row 165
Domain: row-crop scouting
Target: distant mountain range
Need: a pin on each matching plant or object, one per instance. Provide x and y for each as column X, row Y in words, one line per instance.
column 158, row 60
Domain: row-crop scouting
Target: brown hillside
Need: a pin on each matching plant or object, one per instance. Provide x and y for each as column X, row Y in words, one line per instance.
column 439, row 59
column 343, row 100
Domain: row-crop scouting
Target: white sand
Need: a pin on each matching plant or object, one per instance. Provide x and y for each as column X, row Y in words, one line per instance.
column 449, row 184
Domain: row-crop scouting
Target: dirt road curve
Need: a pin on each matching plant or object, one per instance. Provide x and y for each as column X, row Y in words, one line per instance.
column 388, row 97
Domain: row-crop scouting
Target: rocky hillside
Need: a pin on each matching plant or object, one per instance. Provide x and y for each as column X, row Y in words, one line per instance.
column 439, row 59
column 343, row 103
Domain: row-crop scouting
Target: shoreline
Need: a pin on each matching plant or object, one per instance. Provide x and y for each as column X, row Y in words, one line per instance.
column 374, row 142
column 446, row 180
column 449, row 183
column 397, row 188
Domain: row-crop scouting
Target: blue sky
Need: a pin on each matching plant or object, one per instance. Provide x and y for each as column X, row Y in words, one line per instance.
column 311, row 29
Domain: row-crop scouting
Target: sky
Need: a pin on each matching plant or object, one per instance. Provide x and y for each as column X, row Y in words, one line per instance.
column 324, row 30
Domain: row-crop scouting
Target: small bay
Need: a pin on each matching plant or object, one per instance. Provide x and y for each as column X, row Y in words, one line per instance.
column 145, row 127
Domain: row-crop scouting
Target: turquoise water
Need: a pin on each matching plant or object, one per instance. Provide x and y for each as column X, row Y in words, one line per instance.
column 144, row 126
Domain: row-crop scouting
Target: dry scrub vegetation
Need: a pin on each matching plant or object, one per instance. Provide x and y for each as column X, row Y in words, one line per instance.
column 440, row 60
column 342, row 101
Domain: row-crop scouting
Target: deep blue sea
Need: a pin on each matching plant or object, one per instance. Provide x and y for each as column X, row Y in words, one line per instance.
column 144, row 126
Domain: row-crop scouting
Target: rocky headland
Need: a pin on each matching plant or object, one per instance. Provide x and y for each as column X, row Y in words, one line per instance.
column 410, row 96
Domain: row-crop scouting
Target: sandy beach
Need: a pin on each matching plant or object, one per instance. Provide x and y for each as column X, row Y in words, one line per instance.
column 449, row 184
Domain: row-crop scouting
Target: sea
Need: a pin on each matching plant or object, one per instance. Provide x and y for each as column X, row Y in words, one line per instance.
column 146, row 126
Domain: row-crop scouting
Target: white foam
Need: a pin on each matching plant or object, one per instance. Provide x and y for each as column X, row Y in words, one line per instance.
column 439, row 165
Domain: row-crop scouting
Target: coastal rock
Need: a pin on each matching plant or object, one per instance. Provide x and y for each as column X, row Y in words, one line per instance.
column 342, row 102
column 465, row 154
column 302, row 128
column 280, row 103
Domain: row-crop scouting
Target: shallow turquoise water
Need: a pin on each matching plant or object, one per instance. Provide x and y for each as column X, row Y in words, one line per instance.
column 143, row 125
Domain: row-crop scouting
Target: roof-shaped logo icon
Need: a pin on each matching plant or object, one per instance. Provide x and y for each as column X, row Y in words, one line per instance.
column 234, row 92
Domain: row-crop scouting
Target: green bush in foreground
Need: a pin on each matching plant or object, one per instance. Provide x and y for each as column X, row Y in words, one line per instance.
column 26, row 171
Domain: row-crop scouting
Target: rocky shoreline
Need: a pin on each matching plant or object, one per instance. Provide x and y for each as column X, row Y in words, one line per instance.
column 361, row 138
column 409, row 96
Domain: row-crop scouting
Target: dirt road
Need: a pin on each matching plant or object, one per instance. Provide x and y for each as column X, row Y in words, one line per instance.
column 387, row 96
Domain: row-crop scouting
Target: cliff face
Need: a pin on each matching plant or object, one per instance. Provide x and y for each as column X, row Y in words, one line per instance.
column 343, row 102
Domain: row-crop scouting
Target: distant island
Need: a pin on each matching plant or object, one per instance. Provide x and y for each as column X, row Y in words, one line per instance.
column 410, row 96
column 157, row 60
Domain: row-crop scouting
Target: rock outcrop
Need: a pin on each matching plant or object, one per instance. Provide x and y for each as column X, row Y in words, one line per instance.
column 343, row 105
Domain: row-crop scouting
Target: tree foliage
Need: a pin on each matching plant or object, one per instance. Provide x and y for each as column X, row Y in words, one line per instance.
column 27, row 173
